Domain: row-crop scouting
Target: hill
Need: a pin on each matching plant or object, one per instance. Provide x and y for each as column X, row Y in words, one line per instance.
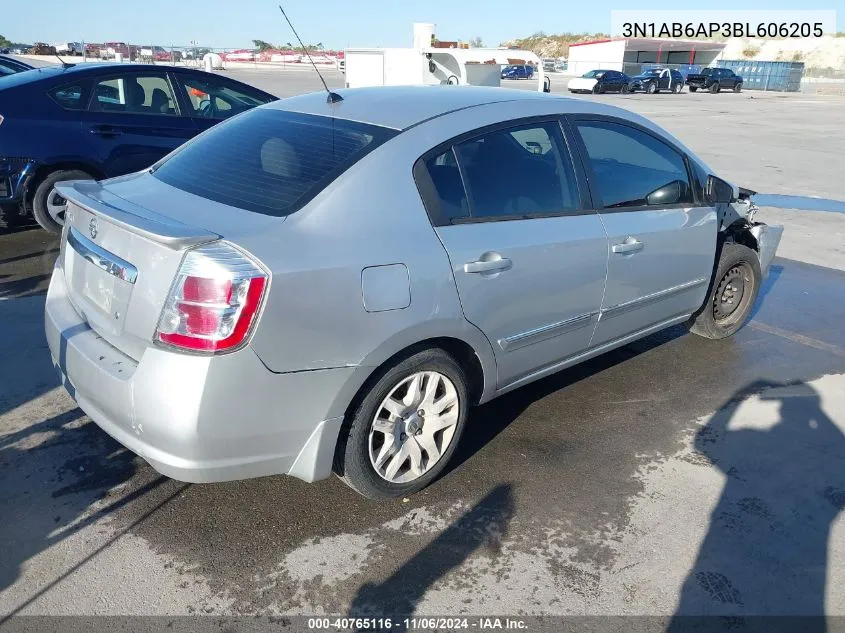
column 545, row 45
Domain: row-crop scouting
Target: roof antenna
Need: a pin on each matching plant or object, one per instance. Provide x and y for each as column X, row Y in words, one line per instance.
column 333, row 96
column 62, row 62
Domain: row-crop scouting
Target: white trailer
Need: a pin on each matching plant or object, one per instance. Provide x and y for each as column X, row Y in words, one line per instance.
column 424, row 64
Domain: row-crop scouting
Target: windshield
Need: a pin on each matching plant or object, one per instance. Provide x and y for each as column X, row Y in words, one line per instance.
column 593, row 74
column 653, row 72
column 269, row 161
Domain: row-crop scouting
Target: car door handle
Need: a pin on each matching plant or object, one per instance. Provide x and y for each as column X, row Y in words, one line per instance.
column 488, row 265
column 630, row 245
column 105, row 130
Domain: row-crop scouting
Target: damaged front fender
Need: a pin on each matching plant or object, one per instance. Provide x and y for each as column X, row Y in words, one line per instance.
column 768, row 238
column 736, row 221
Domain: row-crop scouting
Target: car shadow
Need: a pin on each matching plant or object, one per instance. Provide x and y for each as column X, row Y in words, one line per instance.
column 766, row 547
column 482, row 526
column 488, row 420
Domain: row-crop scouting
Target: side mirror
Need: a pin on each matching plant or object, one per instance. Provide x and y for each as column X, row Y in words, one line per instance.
column 669, row 193
column 718, row 191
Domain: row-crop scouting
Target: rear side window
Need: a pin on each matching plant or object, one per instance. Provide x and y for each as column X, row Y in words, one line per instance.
column 135, row 94
column 70, row 96
column 269, row 161
column 518, row 172
column 633, row 168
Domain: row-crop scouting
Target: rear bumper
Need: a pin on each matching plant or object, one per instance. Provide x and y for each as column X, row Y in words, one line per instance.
column 199, row 418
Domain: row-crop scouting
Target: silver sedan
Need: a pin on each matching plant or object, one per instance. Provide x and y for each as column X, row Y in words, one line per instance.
column 323, row 285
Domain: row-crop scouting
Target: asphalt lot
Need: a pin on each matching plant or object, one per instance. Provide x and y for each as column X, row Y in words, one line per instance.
column 675, row 475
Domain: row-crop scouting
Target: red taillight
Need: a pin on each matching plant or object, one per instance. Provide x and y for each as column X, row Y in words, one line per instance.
column 214, row 301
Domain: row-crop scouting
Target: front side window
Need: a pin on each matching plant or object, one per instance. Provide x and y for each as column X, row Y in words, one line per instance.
column 518, row 172
column 269, row 161
column 217, row 100
column 135, row 94
column 633, row 168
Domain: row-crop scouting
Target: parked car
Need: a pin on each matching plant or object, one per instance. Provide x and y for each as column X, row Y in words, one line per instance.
column 549, row 64
column 40, row 48
column 656, row 79
column 10, row 65
column 599, row 81
column 99, row 121
column 255, row 305
column 111, row 49
column 93, row 50
column 518, row 71
column 715, row 80
column 69, row 48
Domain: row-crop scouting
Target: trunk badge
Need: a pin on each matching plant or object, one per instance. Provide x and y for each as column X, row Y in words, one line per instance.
column 92, row 228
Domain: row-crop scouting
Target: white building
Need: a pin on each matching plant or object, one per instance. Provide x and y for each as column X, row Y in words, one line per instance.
column 627, row 54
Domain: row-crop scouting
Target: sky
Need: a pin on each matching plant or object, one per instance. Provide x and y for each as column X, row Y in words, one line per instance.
column 334, row 23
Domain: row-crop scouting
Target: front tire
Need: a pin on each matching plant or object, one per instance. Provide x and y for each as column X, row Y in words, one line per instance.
column 677, row 89
column 626, row 89
column 48, row 207
column 651, row 88
column 597, row 90
column 405, row 429
column 733, row 292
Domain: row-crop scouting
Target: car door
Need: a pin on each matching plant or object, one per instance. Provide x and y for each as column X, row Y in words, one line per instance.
column 528, row 260
column 209, row 100
column 133, row 120
column 662, row 234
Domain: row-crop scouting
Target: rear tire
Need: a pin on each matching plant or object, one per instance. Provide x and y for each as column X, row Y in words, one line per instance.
column 738, row 87
column 362, row 439
column 732, row 294
column 693, row 89
column 47, row 207
column 714, row 88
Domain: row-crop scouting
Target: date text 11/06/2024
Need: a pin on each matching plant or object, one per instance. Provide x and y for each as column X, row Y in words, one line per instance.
column 417, row 624
column 722, row 29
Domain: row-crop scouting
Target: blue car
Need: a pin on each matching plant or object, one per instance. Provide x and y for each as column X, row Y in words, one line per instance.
column 10, row 66
column 520, row 71
column 100, row 121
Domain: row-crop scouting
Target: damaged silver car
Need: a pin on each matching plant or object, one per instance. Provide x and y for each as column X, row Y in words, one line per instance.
column 320, row 286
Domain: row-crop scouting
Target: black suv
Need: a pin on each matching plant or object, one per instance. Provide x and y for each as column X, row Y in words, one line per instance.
column 715, row 80
column 657, row 79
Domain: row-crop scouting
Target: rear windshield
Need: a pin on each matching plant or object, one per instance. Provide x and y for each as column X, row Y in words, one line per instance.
column 269, row 161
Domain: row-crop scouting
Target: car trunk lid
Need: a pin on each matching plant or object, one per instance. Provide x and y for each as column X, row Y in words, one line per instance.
column 120, row 257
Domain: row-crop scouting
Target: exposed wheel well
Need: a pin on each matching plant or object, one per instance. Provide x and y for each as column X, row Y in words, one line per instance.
column 739, row 232
column 45, row 170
